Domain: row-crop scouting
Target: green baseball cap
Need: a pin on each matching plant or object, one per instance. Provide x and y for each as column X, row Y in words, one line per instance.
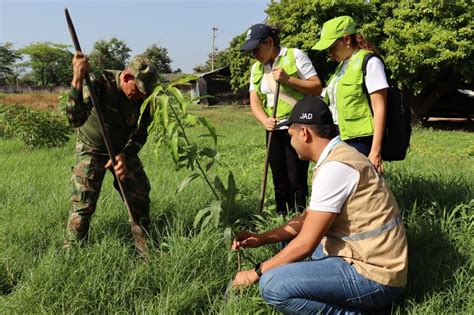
column 335, row 29
column 145, row 73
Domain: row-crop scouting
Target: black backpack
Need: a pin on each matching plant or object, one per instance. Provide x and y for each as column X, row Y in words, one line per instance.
column 396, row 139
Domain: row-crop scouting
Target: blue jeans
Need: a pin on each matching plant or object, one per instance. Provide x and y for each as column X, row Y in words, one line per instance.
column 323, row 284
column 362, row 144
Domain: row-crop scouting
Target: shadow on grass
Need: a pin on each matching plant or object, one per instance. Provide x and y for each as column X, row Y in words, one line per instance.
column 412, row 191
column 6, row 283
column 429, row 208
column 433, row 261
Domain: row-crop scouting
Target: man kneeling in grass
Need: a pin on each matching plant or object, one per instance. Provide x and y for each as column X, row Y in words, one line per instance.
column 361, row 264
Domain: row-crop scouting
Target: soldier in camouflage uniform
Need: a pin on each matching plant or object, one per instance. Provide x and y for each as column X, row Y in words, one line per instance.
column 120, row 95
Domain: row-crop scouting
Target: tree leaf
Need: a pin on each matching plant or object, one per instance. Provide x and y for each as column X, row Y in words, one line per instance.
column 209, row 165
column 205, row 222
column 185, row 80
column 173, row 144
column 219, row 185
column 199, row 216
column 228, row 236
column 187, row 181
column 210, row 128
column 208, row 152
column 215, row 209
column 179, row 97
column 165, row 102
column 190, row 119
column 192, row 154
column 231, row 187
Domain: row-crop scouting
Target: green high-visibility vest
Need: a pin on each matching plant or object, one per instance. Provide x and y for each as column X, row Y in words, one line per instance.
column 287, row 63
column 354, row 115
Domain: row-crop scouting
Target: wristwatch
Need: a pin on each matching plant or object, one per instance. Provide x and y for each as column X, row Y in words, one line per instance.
column 258, row 269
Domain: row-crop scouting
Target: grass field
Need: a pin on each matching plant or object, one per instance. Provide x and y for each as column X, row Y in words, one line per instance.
column 33, row 100
column 188, row 271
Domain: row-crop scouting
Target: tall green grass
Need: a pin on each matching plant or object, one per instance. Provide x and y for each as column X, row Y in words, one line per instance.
column 188, row 270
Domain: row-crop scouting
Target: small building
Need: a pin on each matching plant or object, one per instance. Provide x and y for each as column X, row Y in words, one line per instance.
column 216, row 85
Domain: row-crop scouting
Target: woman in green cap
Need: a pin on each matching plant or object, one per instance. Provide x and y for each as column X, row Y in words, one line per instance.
column 294, row 71
column 358, row 103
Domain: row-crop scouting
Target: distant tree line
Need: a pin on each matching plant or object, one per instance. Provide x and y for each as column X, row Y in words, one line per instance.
column 47, row 64
column 221, row 60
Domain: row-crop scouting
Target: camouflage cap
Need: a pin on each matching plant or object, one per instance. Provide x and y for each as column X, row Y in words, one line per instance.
column 145, row 73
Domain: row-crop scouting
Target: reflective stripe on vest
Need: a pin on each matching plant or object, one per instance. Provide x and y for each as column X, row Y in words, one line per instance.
column 372, row 233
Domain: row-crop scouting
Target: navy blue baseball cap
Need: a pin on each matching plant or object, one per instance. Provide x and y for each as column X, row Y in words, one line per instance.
column 256, row 34
column 310, row 110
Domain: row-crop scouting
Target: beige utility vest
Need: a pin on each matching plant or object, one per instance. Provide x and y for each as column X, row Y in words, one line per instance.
column 368, row 232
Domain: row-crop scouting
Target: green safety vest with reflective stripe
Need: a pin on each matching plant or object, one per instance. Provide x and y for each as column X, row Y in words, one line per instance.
column 354, row 115
column 287, row 63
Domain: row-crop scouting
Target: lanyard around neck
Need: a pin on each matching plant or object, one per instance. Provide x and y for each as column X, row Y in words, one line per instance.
column 329, row 151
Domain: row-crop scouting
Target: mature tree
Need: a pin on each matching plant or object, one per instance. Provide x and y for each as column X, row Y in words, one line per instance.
column 8, row 57
column 109, row 54
column 159, row 56
column 221, row 60
column 240, row 63
column 427, row 45
column 50, row 63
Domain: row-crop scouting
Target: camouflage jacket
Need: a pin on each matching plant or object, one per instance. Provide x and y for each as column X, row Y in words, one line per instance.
column 119, row 113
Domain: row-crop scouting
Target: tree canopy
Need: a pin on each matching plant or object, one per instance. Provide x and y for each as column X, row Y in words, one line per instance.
column 8, row 57
column 109, row 54
column 50, row 63
column 159, row 56
column 428, row 47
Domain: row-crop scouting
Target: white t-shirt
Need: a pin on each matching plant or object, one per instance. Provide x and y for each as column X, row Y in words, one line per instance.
column 375, row 79
column 333, row 184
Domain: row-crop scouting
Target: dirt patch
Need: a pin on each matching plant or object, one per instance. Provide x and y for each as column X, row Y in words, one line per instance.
column 33, row 100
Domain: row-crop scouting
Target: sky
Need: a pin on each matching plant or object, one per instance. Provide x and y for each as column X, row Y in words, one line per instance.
column 183, row 27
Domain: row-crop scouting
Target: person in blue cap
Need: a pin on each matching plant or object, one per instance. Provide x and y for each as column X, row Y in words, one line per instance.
column 297, row 77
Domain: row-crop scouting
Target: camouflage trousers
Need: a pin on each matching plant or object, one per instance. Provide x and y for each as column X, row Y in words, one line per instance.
column 86, row 183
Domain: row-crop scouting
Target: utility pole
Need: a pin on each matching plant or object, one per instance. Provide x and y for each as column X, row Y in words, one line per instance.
column 214, row 30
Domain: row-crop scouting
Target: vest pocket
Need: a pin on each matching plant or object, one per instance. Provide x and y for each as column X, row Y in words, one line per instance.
column 355, row 102
column 333, row 246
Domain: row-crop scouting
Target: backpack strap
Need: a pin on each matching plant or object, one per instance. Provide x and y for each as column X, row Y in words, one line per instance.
column 364, row 73
column 366, row 60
